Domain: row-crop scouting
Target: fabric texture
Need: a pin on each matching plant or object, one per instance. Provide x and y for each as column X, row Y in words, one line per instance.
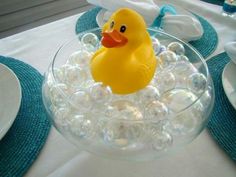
column 206, row 45
column 222, row 124
column 23, row 142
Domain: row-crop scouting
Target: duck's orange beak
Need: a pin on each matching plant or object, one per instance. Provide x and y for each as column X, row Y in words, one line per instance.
column 113, row 39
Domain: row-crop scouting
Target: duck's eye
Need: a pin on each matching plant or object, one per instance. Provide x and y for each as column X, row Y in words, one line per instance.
column 112, row 24
column 122, row 28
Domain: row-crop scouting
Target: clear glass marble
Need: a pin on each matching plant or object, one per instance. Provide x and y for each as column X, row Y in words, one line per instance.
column 81, row 58
column 164, row 81
column 90, row 39
column 177, row 48
column 81, row 126
column 157, row 111
column 168, row 59
column 148, row 94
column 100, row 93
column 156, row 45
column 197, row 83
column 75, row 75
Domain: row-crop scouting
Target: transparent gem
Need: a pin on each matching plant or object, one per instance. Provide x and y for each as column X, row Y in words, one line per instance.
column 81, row 100
column 184, row 123
column 182, row 58
column 197, row 83
column 178, row 99
column 123, row 109
column 156, row 45
column 176, row 47
column 162, row 49
column 57, row 94
column 148, row 94
column 161, row 141
column 81, row 58
column 156, row 111
column 168, row 59
column 81, row 126
column 206, row 97
column 75, row 75
column 100, row 93
column 122, row 134
column 164, row 81
column 91, row 39
column 90, row 48
column 59, row 74
column 182, row 71
column 62, row 117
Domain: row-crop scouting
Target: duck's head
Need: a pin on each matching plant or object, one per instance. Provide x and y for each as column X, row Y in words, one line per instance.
column 125, row 28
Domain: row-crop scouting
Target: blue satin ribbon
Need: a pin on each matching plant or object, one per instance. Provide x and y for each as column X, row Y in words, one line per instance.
column 163, row 10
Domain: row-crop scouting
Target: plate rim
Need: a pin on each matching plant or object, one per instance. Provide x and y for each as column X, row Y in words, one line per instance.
column 223, row 83
column 18, row 101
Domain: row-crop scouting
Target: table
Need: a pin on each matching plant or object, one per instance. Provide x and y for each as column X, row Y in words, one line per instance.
column 59, row 158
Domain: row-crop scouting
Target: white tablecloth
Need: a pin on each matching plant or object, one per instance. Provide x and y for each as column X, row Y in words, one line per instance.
column 201, row 158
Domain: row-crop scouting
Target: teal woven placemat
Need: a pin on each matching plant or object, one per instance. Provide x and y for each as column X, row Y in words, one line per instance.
column 209, row 41
column 218, row 2
column 222, row 124
column 23, row 142
column 206, row 45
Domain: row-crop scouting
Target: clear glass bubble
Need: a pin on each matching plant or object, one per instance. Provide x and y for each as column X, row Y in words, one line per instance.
column 176, row 47
column 162, row 49
column 87, row 84
column 112, row 112
column 197, row 82
column 81, row 126
column 90, row 48
column 75, row 75
column 90, row 39
column 81, row 58
column 197, row 110
column 148, row 94
column 100, row 93
column 168, row 59
column 182, row 58
column 178, row 99
column 49, row 82
column 123, row 109
column 119, row 133
column 164, row 81
column 122, row 134
column 156, row 45
column 62, row 117
column 183, row 123
column 81, row 100
column 182, row 70
column 56, row 94
column 59, row 74
column 161, row 141
column 156, row 111
column 206, row 98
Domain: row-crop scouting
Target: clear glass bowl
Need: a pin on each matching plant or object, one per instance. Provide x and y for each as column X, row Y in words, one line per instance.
column 141, row 126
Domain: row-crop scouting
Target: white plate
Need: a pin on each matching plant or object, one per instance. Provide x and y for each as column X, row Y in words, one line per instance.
column 10, row 98
column 103, row 15
column 229, row 82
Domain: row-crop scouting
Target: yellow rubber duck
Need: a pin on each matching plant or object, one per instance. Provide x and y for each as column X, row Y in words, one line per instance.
column 126, row 62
